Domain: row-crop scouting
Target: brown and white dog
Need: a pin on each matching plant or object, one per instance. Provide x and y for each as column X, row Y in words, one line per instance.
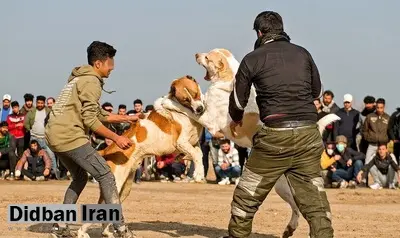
column 221, row 67
column 162, row 132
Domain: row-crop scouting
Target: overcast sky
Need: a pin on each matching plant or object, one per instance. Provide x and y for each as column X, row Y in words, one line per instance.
column 354, row 43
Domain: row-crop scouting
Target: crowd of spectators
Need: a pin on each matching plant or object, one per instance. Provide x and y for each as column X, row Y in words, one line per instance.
column 360, row 143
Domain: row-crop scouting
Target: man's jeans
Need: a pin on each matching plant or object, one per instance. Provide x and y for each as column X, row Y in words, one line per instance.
column 42, row 143
column 231, row 172
column 384, row 179
column 347, row 174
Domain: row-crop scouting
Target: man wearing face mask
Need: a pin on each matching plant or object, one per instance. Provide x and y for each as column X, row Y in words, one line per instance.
column 328, row 160
column 348, row 165
column 287, row 81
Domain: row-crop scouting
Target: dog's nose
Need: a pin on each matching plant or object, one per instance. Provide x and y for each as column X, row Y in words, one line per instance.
column 199, row 109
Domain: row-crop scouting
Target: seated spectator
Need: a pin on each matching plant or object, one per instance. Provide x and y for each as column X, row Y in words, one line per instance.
column 349, row 164
column 228, row 167
column 171, row 169
column 328, row 160
column 34, row 164
column 8, row 158
column 383, row 168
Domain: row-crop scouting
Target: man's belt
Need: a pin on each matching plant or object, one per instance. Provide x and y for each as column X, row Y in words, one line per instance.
column 289, row 124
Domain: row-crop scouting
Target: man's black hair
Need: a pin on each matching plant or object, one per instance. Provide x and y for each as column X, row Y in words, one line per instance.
column 14, row 104
column 28, row 97
column 224, row 141
column 51, row 98
column 268, row 22
column 138, row 101
column 99, row 51
column 369, row 99
column 382, row 144
column 41, row 98
column 380, row 101
column 106, row 104
column 121, row 106
column 329, row 93
column 149, row 108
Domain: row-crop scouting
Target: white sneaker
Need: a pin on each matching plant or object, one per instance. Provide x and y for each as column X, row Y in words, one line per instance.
column 375, row 186
column 392, row 186
column 237, row 181
column 343, row 184
column 224, row 181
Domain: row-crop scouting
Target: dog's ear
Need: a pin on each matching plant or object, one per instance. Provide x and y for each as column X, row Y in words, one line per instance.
column 172, row 90
column 191, row 77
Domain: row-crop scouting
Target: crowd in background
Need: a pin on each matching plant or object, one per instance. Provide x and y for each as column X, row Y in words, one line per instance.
column 360, row 143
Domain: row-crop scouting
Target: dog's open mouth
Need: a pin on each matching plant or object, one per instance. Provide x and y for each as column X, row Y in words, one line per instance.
column 207, row 76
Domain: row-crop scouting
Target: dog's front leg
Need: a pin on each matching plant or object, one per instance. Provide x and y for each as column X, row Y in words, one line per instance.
column 196, row 155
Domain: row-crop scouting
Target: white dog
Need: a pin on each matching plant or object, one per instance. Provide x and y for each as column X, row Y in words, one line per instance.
column 221, row 67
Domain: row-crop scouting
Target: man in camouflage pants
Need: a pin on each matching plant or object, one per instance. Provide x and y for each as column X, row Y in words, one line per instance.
column 286, row 81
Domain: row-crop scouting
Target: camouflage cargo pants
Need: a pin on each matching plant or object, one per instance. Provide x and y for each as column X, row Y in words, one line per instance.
column 296, row 153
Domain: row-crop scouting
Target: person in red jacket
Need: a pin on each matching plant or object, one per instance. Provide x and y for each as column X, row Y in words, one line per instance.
column 167, row 165
column 16, row 127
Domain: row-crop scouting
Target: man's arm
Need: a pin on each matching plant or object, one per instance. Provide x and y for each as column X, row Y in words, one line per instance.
column 355, row 155
column 241, row 92
column 365, row 129
column 114, row 118
column 390, row 127
column 220, row 157
column 316, row 86
column 27, row 123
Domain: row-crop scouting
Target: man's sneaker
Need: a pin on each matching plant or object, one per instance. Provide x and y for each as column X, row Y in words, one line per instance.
column 164, row 180
column 343, row 184
column 10, row 177
column 375, row 186
column 224, row 181
column 40, row 178
column 60, row 232
column 124, row 234
column 335, row 184
column 392, row 186
column 352, row 184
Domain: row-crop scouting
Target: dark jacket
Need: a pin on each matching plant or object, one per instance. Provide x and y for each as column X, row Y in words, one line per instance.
column 348, row 154
column 381, row 164
column 394, row 125
column 375, row 128
column 347, row 125
column 286, row 80
column 9, row 144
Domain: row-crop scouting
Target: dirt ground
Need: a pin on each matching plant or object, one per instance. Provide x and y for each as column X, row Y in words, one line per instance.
column 159, row 210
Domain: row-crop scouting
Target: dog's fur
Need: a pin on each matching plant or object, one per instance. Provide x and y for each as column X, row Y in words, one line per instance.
column 162, row 132
column 221, row 67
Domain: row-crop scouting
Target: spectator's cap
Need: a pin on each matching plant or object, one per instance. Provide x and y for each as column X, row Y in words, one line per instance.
column 369, row 100
column 348, row 98
column 341, row 139
column 7, row 97
column 3, row 124
column 149, row 108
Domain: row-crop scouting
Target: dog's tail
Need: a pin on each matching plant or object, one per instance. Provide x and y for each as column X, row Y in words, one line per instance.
column 325, row 121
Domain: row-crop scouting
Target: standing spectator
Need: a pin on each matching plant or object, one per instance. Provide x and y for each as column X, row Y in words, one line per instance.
column 16, row 127
column 50, row 102
column 137, row 108
column 328, row 104
column 394, row 133
column 205, row 149
column 369, row 107
column 148, row 109
column 383, row 168
column 228, row 167
column 123, row 126
column 35, row 164
column 122, row 109
column 318, row 106
column 8, row 158
column 107, row 106
column 348, row 165
column 34, row 122
column 28, row 105
column 349, row 120
column 375, row 129
column 5, row 110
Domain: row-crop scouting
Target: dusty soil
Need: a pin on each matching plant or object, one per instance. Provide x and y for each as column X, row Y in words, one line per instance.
column 159, row 210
